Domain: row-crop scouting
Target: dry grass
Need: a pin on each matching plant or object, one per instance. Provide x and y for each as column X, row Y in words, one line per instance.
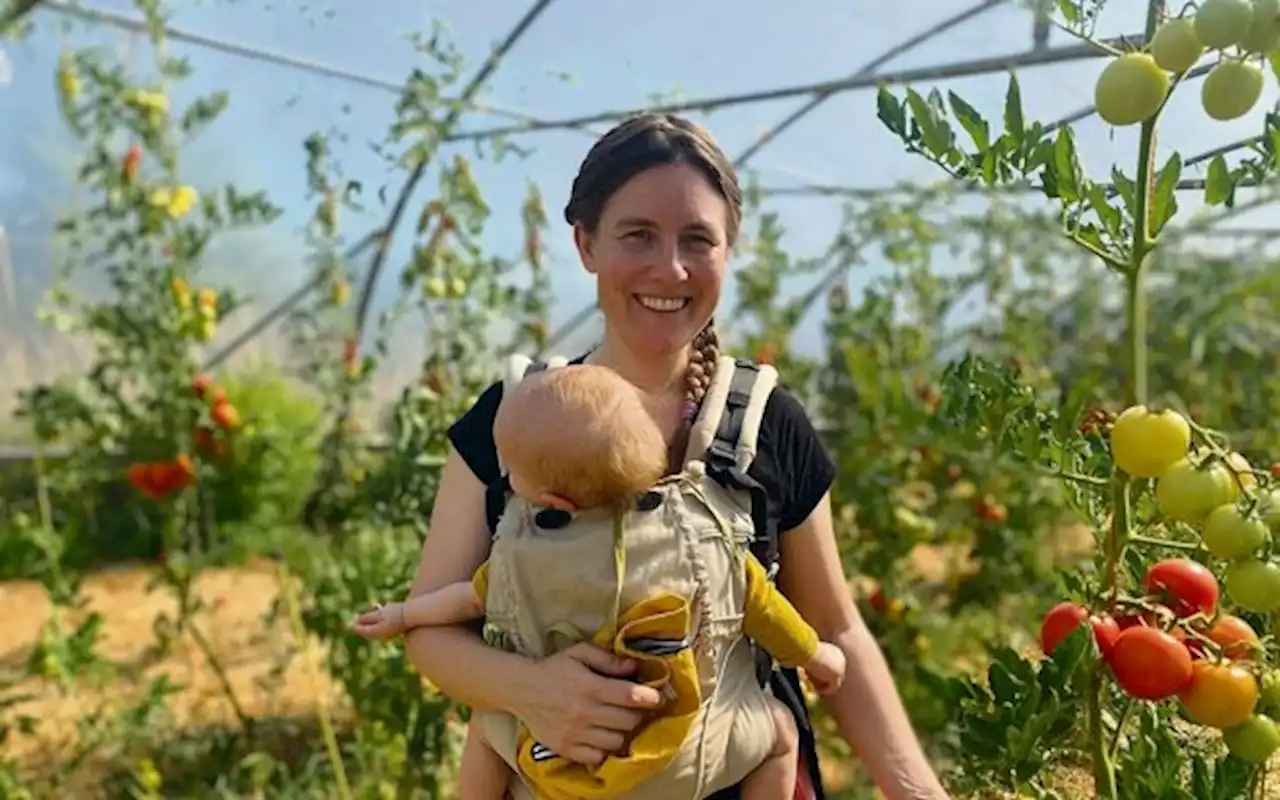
column 233, row 626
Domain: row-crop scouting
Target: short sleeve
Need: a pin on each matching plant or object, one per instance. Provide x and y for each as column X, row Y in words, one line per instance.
column 472, row 435
column 791, row 462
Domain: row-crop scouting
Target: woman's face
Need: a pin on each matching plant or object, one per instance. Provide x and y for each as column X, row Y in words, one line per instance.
column 659, row 256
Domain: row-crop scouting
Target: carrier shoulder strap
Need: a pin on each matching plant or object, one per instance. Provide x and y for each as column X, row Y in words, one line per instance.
column 726, row 433
column 725, row 437
column 518, row 367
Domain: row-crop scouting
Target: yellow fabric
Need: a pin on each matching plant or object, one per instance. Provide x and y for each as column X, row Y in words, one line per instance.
column 665, row 616
column 771, row 620
column 480, row 582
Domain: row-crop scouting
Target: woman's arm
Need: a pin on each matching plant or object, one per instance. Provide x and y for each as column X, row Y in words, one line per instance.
column 452, row 657
column 867, row 708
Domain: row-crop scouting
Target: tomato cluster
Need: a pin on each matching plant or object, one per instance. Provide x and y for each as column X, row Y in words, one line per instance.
column 1175, row 640
column 1134, row 86
column 159, row 479
column 222, row 413
column 1175, row 643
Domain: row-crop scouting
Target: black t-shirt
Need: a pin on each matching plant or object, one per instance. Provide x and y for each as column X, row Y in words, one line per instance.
column 791, row 463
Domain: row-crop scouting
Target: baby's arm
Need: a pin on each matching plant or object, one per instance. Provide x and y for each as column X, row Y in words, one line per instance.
column 776, row 625
column 448, row 605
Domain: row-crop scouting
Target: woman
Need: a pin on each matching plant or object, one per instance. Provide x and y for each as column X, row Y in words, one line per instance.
column 655, row 210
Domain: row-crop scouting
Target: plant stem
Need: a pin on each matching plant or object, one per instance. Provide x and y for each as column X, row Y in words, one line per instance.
column 1135, row 305
column 1169, row 543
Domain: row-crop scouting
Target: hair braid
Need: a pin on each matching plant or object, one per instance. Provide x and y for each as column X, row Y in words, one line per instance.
column 704, row 352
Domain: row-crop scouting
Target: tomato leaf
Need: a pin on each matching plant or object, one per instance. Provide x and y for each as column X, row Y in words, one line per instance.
column 1110, row 217
column 889, row 111
column 971, row 121
column 1164, row 202
column 1273, row 59
column 1126, row 190
column 1013, row 124
column 1219, row 188
column 1066, row 166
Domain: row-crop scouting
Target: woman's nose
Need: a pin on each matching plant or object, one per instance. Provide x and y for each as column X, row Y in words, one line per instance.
column 668, row 261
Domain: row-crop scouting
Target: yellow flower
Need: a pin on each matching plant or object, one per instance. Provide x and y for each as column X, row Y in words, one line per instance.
column 182, row 201
column 182, row 293
column 208, row 299
column 147, row 101
column 177, row 203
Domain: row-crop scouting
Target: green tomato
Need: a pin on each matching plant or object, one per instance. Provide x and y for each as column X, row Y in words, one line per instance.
column 1221, row 23
column 1269, row 507
column 1187, row 493
column 1254, row 585
column 1255, row 739
column 1228, row 533
column 1269, row 698
column 1175, row 46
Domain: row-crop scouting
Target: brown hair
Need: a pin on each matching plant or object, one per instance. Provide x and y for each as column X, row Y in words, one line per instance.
column 581, row 432
column 638, row 144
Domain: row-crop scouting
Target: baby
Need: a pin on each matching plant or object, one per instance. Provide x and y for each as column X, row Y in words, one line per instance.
column 575, row 438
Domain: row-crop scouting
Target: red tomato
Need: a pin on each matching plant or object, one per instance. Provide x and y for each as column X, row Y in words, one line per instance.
column 1105, row 632
column 1149, row 664
column 1058, row 623
column 1188, row 586
column 1236, row 637
column 200, row 384
column 225, row 416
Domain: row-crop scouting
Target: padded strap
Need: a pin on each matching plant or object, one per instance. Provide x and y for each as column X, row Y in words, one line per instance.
column 726, row 433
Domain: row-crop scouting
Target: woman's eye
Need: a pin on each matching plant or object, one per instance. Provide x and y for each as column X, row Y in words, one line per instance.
column 639, row 236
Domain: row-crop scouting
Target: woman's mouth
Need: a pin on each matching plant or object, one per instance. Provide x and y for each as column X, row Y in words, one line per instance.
column 663, row 305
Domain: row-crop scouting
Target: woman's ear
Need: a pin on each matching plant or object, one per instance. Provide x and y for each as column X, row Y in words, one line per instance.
column 585, row 243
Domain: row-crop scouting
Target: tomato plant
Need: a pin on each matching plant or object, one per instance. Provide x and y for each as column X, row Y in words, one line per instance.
column 1154, row 481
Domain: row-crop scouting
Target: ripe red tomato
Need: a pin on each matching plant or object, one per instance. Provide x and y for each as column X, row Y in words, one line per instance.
column 225, row 416
column 1105, row 632
column 1220, row 695
column 1058, row 623
column 1187, row 586
column 200, row 385
column 1065, row 617
column 1149, row 664
column 1236, row 637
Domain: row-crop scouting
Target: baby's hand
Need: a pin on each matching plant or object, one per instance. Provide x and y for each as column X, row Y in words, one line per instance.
column 826, row 669
column 382, row 623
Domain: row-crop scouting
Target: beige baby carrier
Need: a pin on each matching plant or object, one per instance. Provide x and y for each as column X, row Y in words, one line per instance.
column 664, row 583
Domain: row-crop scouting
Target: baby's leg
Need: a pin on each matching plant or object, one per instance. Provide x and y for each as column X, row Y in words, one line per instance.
column 483, row 774
column 775, row 778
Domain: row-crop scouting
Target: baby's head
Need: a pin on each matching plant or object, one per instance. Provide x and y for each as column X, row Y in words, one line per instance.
column 580, row 433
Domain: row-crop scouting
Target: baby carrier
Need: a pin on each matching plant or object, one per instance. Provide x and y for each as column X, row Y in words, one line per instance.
column 663, row 583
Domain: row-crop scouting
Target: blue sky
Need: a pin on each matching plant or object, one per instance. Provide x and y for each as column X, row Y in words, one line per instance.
column 581, row 56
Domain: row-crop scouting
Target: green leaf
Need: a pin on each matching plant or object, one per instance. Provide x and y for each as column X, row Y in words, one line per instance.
column 934, row 130
column 1070, row 11
column 971, row 121
column 1109, row 215
column 1066, row 165
column 1273, row 59
column 1127, row 191
column 1164, row 202
column 1218, row 186
column 889, row 111
column 1013, row 123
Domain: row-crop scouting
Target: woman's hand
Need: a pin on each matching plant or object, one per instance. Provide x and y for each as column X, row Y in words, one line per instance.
column 583, row 706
